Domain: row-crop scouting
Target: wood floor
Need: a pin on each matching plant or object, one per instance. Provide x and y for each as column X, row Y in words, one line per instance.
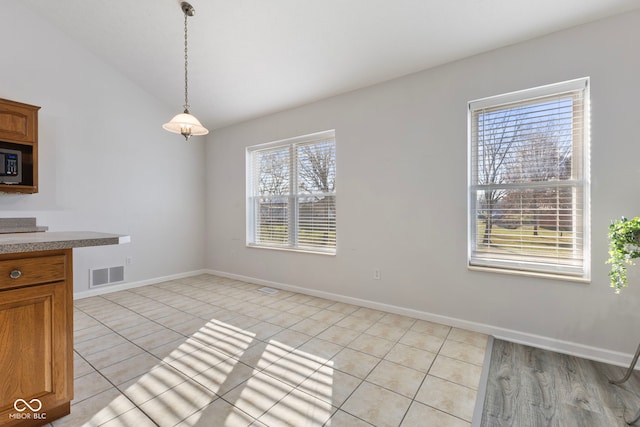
column 531, row 387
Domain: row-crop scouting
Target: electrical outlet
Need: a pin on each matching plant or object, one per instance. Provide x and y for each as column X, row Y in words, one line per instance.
column 129, row 260
column 376, row 274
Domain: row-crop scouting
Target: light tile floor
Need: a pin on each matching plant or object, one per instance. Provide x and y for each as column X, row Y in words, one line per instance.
column 211, row 351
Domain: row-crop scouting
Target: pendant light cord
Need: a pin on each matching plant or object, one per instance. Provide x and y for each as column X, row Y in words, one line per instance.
column 186, row 54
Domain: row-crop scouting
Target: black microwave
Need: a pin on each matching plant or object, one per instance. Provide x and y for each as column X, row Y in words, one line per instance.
column 10, row 166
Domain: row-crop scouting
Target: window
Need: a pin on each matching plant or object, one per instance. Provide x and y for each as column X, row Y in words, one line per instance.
column 292, row 194
column 529, row 181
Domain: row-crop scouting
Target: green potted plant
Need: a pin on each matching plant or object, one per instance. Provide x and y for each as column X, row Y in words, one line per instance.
column 624, row 246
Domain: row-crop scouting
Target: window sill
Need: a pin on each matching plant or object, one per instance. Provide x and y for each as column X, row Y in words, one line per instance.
column 304, row 251
column 566, row 278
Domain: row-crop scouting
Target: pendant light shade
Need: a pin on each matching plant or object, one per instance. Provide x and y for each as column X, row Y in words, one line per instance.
column 184, row 123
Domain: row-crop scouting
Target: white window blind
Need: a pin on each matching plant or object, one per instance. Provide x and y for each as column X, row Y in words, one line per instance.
column 291, row 194
column 528, row 181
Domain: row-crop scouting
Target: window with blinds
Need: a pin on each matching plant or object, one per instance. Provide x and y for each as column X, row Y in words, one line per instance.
column 292, row 194
column 529, row 181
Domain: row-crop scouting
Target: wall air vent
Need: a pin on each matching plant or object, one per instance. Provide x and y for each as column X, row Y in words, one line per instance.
column 106, row 276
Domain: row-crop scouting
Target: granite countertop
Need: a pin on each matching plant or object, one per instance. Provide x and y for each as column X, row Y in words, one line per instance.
column 44, row 241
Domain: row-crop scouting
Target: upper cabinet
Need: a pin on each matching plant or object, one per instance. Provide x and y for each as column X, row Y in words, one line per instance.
column 18, row 147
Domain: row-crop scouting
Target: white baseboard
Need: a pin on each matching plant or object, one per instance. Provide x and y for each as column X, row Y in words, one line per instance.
column 131, row 285
column 547, row 343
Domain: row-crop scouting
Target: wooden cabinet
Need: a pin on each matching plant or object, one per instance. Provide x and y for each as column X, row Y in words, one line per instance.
column 19, row 132
column 36, row 337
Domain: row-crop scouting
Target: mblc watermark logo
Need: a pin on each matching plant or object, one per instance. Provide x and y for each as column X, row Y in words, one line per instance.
column 28, row 410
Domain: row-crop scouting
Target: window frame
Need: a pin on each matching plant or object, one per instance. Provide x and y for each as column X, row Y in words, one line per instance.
column 524, row 264
column 294, row 217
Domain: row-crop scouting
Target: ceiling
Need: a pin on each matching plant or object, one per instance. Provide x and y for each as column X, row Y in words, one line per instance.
column 248, row 58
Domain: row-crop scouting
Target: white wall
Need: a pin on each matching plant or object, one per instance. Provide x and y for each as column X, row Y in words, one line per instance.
column 401, row 158
column 105, row 162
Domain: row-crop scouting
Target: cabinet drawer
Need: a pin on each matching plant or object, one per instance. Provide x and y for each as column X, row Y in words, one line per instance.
column 31, row 271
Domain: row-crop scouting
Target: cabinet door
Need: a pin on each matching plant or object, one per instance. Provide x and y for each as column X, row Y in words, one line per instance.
column 18, row 122
column 35, row 350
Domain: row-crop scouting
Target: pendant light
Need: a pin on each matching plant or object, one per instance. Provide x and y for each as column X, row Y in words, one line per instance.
column 184, row 123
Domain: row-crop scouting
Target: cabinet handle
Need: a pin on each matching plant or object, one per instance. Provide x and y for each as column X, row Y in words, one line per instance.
column 15, row 274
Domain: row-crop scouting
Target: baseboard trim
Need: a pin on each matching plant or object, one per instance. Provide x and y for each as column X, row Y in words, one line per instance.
column 131, row 285
column 547, row 343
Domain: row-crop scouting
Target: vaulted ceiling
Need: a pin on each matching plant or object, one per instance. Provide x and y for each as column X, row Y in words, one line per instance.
column 252, row 57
